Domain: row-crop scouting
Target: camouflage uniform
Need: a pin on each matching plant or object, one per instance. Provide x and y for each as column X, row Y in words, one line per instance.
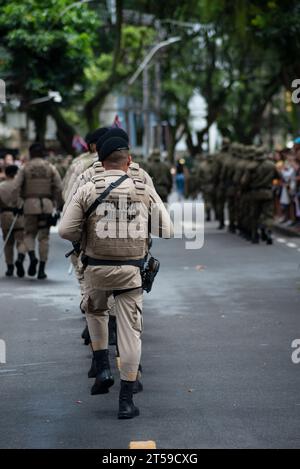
column 160, row 173
column 227, row 176
column 258, row 179
column 206, row 186
column 220, row 192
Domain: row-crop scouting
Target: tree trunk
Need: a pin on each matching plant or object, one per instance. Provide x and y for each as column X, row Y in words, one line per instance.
column 39, row 117
column 65, row 132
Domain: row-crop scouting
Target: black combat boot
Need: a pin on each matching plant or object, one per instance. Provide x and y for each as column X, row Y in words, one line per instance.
column 42, row 274
column 104, row 378
column 19, row 265
column 263, row 235
column 208, row 217
column 86, row 336
column 231, row 228
column 112, row 330
column 269, row 237
column 137, row 387
column 92, row 373
column 255, row 238
column 33, row 264
column 127, row 409
column 10, row 270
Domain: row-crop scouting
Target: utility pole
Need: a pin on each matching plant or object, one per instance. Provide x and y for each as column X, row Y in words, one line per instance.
column 143, row 68
column 146, row 120
column 157, row 141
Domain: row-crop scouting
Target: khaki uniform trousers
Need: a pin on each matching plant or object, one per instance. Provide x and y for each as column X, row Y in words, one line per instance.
column 36, row 228
column 16, row 239
column 128, row 311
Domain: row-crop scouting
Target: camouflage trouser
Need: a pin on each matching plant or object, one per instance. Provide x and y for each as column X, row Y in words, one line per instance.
column 231, row 203
column 244, row 211
column 16, row 239
column 220, row 204
column 207, row 197
column 261, row 214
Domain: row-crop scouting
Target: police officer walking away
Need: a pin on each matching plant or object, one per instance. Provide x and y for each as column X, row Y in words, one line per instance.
column 39, row 184
column 12, row 223
column 114, row 220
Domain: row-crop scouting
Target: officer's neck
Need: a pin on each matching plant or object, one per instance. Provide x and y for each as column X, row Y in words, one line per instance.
column 116, row 167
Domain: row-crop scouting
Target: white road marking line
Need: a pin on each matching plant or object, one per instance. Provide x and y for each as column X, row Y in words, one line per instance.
column 13, row 374
column 280, row 240
column 292, row 245
column 6, row 371
column 36, row 364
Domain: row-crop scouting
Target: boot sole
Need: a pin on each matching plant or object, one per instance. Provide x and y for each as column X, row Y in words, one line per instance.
column 20, row 269
column 124, row 416
column 32, row 268
column 103, row 387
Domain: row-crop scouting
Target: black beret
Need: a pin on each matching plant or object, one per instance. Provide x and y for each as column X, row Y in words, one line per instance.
column 115, row 132
column 111, row 145
column 88, row 136
column 94, row 137
column 11, row 170
column 36, row 150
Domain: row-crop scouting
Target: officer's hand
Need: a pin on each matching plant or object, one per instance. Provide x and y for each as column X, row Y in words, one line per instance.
column 18, row 211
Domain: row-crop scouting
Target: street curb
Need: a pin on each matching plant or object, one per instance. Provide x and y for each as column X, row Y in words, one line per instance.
column 287, row 231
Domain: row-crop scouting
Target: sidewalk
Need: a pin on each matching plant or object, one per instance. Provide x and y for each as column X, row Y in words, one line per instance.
column 287, row 230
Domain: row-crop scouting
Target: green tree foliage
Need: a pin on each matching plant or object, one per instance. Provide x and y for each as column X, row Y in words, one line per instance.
column 48, row 46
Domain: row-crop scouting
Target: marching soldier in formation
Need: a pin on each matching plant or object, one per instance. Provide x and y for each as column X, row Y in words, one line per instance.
column 12, row 223
column 205, row 182
column 113, row 263
column 217, row 164
column 39, row 185
column 258, row 180
column 241, row 176
column 96, row 169
column 161, row 175
column 82, row 161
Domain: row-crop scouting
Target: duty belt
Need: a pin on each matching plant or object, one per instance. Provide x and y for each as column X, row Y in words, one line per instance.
column 8, row 209
column 135, row 262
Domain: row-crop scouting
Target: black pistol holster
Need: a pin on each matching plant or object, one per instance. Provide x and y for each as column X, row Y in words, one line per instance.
column 53, row 219
column 76, row 249
column 149, row 272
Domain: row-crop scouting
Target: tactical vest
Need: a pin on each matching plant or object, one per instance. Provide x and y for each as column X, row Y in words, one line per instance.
column 113, row 217
column 264, row 175
column 38, row 180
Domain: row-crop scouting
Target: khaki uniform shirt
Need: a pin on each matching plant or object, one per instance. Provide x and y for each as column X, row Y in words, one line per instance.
column 72, row 228
column 134, row 171
column 39, row 185
column 9, row 199
column 76, row 169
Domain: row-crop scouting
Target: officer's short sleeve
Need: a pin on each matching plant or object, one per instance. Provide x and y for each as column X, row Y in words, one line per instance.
column 71, row 224
column 160, row 221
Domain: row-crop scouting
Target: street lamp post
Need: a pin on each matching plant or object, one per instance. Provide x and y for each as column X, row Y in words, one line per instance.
column 144, row 68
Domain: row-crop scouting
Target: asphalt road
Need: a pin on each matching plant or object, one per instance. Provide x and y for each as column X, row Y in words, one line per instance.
column 216, row 353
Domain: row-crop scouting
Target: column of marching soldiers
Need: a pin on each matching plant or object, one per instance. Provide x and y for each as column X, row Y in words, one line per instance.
column 239, row 178
column 109, row 270
column 112, row 271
